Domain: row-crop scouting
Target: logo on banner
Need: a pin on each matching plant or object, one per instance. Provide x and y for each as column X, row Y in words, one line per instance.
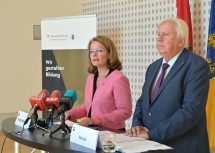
column 59, row 37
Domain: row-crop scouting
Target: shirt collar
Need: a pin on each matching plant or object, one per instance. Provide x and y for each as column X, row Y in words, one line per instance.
column 172, row 61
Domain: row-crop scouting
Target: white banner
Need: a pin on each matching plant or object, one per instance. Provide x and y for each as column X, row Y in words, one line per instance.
column 67, row 32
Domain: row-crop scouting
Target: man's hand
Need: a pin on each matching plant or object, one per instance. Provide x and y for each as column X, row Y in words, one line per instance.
column 137, row 131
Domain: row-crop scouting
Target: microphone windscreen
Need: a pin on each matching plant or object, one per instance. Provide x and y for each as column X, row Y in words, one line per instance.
column 55, row 94
column 53, row 99
column 39, row 100
column 72, row 94
column 43, row 94
column 66, row 102
column 41, row 105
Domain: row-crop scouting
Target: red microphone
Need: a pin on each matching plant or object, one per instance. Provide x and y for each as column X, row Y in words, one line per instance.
column 37, row 103
column 52, row 104
column 53, row 99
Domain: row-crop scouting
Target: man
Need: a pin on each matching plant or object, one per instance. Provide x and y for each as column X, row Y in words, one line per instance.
column 175, row 114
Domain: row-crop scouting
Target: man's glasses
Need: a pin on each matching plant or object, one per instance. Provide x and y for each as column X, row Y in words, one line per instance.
column 97, row 51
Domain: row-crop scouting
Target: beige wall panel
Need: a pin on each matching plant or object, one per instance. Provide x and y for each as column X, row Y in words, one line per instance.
column 20, row 60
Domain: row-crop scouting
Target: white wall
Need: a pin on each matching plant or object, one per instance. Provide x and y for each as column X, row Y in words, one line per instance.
column 132, row 26
column 20, row 58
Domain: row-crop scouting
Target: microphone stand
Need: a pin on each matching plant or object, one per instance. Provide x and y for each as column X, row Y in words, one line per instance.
column 63, row 126
column 49, row 122
column 34, row 119
column 34, row 123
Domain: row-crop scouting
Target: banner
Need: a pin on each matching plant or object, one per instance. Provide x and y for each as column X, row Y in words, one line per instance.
column 67, row 32
column 64, row 53
column 210, row 57
column 183, row 12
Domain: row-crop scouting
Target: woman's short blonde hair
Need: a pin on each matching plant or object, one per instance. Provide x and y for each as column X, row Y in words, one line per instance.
column 113, row 60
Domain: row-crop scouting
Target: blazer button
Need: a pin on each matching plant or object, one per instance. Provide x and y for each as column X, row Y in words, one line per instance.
column 150, row 113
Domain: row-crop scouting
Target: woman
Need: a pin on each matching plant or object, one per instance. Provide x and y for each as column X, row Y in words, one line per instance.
column 107, row 100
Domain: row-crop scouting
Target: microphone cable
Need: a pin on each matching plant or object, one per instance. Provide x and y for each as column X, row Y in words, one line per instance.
column 18, row 133
column 2, row 148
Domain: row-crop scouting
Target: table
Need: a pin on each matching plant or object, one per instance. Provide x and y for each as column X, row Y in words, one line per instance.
column 58, row 143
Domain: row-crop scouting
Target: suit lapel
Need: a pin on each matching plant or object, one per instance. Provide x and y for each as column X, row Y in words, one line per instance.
column 151, row 79
column 176, row 67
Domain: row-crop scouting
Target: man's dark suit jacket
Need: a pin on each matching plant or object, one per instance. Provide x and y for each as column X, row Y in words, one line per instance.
column 177, row 115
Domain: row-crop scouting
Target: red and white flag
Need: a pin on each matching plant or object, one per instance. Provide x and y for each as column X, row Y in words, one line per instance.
column 183, row 12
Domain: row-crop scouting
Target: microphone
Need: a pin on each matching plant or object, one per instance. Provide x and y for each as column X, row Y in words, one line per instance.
column 37, row 103
column 66, row 102
column 52, row 103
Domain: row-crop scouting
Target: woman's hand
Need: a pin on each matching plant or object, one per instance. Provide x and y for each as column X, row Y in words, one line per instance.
column 67, row 115
column 86, row 121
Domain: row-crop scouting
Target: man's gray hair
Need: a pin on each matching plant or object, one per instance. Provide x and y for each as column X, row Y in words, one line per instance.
column 181, row 28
